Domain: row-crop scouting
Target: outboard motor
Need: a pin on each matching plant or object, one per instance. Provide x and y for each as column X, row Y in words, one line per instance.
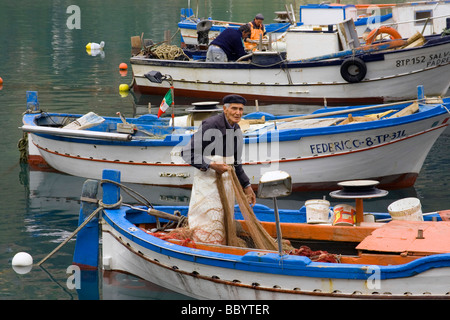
column 203, row 28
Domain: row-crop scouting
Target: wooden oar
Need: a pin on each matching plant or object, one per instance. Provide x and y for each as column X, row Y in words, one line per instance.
column 156, row 213
column 333, row 113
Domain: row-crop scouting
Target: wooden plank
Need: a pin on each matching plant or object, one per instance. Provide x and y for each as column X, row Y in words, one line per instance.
column 136, row 45
column 320, row 231
column 412, row 108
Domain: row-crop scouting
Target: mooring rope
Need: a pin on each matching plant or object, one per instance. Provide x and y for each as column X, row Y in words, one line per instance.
column 132, row 193
column 100, row 207
column 81, row 226
column 22, row 145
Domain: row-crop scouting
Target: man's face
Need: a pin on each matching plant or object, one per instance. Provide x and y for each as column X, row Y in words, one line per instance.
column 258, row 22
column 234, row 112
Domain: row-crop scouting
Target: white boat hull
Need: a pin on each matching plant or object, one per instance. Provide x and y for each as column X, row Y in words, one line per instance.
column 393, row 155
column 193, row 278
column 391, row 76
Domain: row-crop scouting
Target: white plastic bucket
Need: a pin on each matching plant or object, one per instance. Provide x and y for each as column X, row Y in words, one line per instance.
column 406, row 209
column 317, row 211
column 368, row 217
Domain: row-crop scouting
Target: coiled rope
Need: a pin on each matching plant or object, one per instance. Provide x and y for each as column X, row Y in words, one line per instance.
column 169, row 52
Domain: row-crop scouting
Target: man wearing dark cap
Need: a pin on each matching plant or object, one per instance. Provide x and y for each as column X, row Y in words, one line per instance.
column 228, row 46
column 216, row 145
column 257, row 30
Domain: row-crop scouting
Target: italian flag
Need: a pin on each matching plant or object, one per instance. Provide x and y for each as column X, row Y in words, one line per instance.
column 167, row 101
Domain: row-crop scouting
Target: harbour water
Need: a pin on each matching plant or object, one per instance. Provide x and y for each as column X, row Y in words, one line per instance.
column 40, row 52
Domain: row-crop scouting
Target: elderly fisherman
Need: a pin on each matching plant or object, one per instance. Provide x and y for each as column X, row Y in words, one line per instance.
column 216, row 145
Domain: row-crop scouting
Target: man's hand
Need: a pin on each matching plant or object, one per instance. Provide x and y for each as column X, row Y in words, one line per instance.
column 219, row 167
column 251, row 197
column 222, row 168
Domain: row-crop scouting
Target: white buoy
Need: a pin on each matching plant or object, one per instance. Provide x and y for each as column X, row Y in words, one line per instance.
column 95, row 46
column 22, row 259
column 22, row 263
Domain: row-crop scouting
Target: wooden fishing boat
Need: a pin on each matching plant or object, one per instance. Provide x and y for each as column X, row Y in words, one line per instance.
column 319, row 149
column 393, row 260
column 321, row 64
column 427, row 17
column 189, row 25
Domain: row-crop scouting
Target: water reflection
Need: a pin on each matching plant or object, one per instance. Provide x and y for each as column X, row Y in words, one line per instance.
column 120, row 286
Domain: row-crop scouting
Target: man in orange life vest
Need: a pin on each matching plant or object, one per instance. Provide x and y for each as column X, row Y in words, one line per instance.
column 257, row 30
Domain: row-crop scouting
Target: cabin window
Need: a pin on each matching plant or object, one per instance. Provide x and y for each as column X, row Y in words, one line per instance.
column 422, row 15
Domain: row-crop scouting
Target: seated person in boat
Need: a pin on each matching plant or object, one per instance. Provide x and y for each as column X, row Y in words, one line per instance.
column 215, row 147
column 228, row 46
column 257, row 30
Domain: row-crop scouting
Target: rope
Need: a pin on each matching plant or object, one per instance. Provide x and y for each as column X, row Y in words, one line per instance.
column 132, row 193
column 81, row 226
column 231, row 239
column 22, row 145
column 101, row 206
column 169, row 52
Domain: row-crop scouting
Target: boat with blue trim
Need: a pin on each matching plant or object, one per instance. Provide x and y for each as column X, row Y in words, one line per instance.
column 388, row 143
column 387, row 260
column 329, row 63
column 427, row 17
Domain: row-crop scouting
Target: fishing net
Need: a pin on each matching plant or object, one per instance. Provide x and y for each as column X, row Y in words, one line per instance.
column 206, row 208
column 259, row 235
column 211, row 218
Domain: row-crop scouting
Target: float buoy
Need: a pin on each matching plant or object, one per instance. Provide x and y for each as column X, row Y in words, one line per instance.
column 22, row 263
column 124, row 87
column 95, row 46
column 382, row 30
column 123, row 66
column 353, row 70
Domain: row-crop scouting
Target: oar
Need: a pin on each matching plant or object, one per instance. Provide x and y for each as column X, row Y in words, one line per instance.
column 333, row 113
column 156, row 213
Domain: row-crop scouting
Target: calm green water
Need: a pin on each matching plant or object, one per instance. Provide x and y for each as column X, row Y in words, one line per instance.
column 39, row 52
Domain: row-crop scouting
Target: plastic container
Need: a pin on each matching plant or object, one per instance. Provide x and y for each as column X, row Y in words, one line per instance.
column 406, row 209
column 317, row 211
column 344, row 215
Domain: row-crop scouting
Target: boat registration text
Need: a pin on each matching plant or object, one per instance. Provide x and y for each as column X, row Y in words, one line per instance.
column 350, row 144
column 431, row 60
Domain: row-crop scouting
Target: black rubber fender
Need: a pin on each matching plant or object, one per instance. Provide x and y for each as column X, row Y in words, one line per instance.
column 353, row 70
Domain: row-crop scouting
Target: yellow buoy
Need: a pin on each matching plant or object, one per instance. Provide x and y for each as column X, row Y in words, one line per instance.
column 124, row 87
